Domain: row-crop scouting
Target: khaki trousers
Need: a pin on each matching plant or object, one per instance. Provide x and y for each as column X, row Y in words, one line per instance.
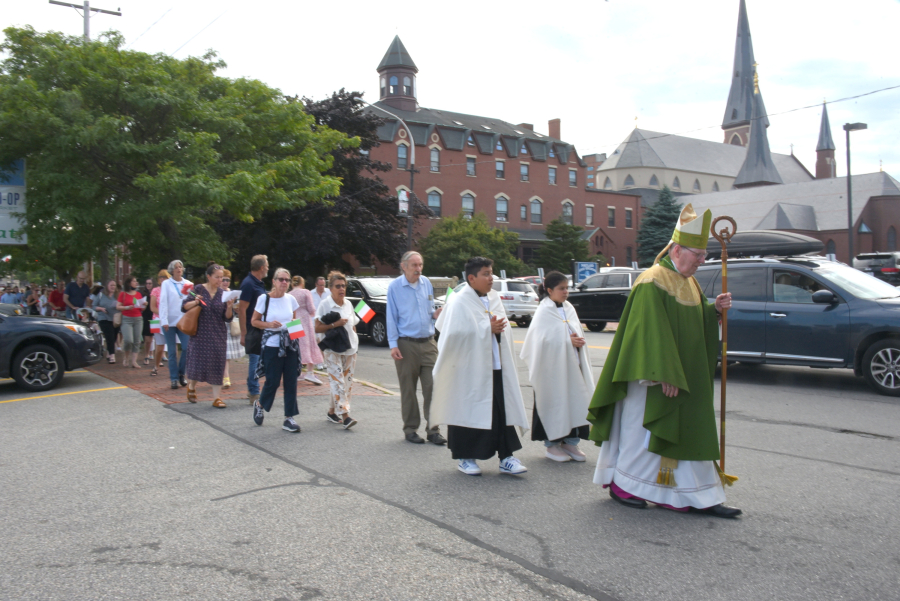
column 416, row 365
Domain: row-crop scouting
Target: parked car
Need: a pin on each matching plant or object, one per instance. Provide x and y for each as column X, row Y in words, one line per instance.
column 534, row 280
column 811, row 311
column 373, row 290
column 519, row 298
column 11, row 309
column 36, row 351
column 601, row 298
column 884, row 266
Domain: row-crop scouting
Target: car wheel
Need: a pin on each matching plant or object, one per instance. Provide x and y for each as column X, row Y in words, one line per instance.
column 881, row 366
column 598, row 326
column 39, row 367
column 378, row 331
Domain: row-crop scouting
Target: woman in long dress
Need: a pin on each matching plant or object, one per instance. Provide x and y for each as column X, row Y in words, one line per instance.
column 559, row 367
column 309, row 350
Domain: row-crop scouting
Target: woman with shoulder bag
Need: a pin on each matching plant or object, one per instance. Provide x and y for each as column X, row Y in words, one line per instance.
column 206, row 359
column 233, row 350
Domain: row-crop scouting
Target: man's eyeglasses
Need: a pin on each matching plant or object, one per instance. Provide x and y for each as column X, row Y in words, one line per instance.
column 282, row 279
column 699, row 254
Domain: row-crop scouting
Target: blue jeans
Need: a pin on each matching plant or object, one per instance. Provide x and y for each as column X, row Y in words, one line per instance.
column 276, row 367
column 252, row 380
column 176, row 368
column 572, row 441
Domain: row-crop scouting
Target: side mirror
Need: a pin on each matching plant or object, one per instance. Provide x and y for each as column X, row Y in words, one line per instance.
column 824, row 297
column 582, row 287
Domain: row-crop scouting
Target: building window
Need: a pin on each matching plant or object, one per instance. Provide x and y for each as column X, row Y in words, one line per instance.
column 715, row 186
column 524, row 150
column 611, row 216
column 654, row 182
column 435, row 159
column 736, row 139
column 607, row 185
column 629, row 181
column 407, row 86
column 573, row 177
column 830, row 248
column 567, row 213
column 523, row 212
column 470, row 141
column 590, row 215
column 502, row 209
column 499, row 144
column 628, row 221
column 676, row 184
column 434, row 203
column 468, row 205
column 523, row 172
column 402, row 152
column 552, row 153
column 470, row 166
column 383, row 87
column 697, row 186
column 590, row 168
column 395, row 85
column 891, row 239
column 628, row 258
column 552, row 172
column 535, row 211
column 501, row 169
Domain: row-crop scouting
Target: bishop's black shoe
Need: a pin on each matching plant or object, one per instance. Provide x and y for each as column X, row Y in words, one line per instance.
column 632, row 502
column 719, row 511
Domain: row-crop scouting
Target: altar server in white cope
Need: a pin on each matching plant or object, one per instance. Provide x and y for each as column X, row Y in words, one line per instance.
column 559, row 367
column 476, row 388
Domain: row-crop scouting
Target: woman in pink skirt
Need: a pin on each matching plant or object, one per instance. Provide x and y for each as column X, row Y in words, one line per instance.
column 309, row 350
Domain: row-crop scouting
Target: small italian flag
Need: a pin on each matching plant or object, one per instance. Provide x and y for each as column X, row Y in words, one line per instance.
column 155, row 328
column 364, row 311
column 449, row 292
column 295, row 329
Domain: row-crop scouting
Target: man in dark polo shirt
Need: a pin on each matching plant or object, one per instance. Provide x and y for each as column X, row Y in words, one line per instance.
column 76, row 293
column 251, row 289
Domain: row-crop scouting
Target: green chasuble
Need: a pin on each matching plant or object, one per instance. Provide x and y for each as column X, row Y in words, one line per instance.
column 669, row 332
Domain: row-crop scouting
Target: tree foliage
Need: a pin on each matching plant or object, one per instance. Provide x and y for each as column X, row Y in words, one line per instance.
column 454, row 240
column 657, row 226
column 359, row 221
column 124, row 147
column 564, row 245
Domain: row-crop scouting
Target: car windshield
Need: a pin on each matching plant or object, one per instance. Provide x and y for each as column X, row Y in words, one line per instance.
column 518, row 286
column 375, row 287
column 863, row 261
column 859, row 284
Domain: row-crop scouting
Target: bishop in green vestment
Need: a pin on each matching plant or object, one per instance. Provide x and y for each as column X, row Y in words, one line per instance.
column 652, row 411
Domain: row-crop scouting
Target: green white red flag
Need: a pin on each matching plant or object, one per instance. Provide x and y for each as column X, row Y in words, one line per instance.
column 364, row 311
column 295, row 329
column 155, row 328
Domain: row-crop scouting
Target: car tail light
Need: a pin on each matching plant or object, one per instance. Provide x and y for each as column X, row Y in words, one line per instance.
column 890, row 270
column 507, row 298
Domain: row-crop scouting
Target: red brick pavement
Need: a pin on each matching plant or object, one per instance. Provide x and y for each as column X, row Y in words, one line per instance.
column 158, row 386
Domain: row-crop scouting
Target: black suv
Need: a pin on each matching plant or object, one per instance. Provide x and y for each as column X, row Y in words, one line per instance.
column 36, row 351
column 810, row 311
column 602, row 297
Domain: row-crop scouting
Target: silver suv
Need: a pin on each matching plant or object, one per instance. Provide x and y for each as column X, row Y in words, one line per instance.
column 519, row 298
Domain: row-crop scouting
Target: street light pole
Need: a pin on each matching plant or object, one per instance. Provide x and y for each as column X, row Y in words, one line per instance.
column 87, row 14
column 848, row 127
column 412, row 170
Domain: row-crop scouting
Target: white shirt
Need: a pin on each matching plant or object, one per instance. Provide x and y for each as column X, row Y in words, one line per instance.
column 280, row 310
column 317, row 298
column 170, row 299
column 327, row 306
column 495, row 347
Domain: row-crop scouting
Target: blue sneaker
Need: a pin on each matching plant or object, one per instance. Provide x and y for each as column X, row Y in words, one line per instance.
column 258, row 414
column 290, row 425
column 511, row 465
column 469, row 467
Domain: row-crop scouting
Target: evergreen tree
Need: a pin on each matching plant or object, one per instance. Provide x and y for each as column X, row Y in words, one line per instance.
column 657, row 227
column 454, row 240
column 564, row 245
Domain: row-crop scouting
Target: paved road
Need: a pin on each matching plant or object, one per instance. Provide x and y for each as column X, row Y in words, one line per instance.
column 109, row 494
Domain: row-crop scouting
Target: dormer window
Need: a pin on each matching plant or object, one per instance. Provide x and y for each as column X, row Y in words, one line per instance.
column 395, row 85
column 499, row 144
column 523, row 150
column 552, row 152
column 486, row 126
column 470, row 141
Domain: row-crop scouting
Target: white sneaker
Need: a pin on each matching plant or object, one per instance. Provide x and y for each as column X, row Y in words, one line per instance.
column 511, row 465
column 311, row 377
column 469, row 467
column 557, row 454
column 573, row 451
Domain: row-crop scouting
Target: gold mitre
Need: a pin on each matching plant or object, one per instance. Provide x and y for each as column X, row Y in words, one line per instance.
column 692, row 231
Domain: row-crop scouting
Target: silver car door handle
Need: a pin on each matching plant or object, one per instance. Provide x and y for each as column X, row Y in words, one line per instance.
column 778, row 315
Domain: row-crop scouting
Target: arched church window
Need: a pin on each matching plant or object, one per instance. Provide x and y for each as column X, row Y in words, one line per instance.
column 676, row 184
column 395, row 85
column 654, row 181
column 607, row 185
column 736, row 140
column 697, row 186
column 629, row 181
column 407, row 86
column 715, row 186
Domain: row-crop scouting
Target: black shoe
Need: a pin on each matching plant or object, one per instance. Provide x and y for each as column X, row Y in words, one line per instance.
column 174, row 384
column 332, row 418
column 182, row 381
column 258, row 414
column 436, row 438
column 633, row 502
column 719, row 511
column 349, row 422
column 414, row 438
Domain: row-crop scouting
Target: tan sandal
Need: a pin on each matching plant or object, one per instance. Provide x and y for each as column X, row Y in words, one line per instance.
column 191, row 395
column 219, row 403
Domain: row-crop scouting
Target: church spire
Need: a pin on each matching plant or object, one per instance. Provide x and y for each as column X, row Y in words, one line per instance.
column 741, row 96
column 825, row 164
column 758, row 168
column 397, row 77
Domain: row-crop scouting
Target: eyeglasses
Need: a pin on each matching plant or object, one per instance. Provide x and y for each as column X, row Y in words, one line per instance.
column 282, row 279
column 341, row 286
column 226, row 279
column 702, row 255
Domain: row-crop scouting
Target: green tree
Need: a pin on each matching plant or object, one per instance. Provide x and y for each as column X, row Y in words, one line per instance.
column 657, row 226
column 564, row 245
column 454, row 240
column 124, row 147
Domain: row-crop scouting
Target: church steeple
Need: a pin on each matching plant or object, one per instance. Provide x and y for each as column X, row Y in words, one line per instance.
column 758, row 168
column 825, row 165
column 397, row 77
column 741, row 97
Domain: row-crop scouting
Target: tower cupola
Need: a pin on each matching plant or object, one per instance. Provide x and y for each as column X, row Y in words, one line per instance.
column 397, row 77
column 741, row 97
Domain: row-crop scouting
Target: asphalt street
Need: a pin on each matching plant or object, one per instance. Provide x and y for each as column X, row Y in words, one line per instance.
column 108, row 494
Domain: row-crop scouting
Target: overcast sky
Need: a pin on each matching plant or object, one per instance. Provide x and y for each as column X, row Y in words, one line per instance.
column 595, row 64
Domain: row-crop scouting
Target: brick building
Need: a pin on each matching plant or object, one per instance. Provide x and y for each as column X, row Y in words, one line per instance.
column 519, row 178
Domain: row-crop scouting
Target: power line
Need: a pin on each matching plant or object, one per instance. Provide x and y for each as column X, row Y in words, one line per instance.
column 198, row 33
column 148, row 29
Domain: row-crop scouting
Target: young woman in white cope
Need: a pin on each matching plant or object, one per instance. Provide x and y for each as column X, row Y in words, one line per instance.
column 280, row 356
column 560, row 371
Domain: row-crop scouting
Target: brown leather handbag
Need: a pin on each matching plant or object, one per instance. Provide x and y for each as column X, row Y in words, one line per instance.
column 188, row 321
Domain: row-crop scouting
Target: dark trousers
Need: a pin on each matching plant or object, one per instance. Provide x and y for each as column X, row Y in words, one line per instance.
column 474, row 443
column 416, row 366
column 109, row 333
column 276, row 367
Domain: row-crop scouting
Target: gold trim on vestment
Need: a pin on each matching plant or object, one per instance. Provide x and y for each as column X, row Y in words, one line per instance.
column 685, row 290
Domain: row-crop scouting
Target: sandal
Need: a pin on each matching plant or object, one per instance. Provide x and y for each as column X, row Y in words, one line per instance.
column 154, row 372
column 226, row 384
column 219, row 403
column 146, row 360
column 191, row 395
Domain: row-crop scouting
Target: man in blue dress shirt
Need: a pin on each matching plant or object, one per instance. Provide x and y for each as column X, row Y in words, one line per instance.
column 410, row 327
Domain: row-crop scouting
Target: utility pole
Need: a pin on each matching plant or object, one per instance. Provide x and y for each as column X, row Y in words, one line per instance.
column 87, row 14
